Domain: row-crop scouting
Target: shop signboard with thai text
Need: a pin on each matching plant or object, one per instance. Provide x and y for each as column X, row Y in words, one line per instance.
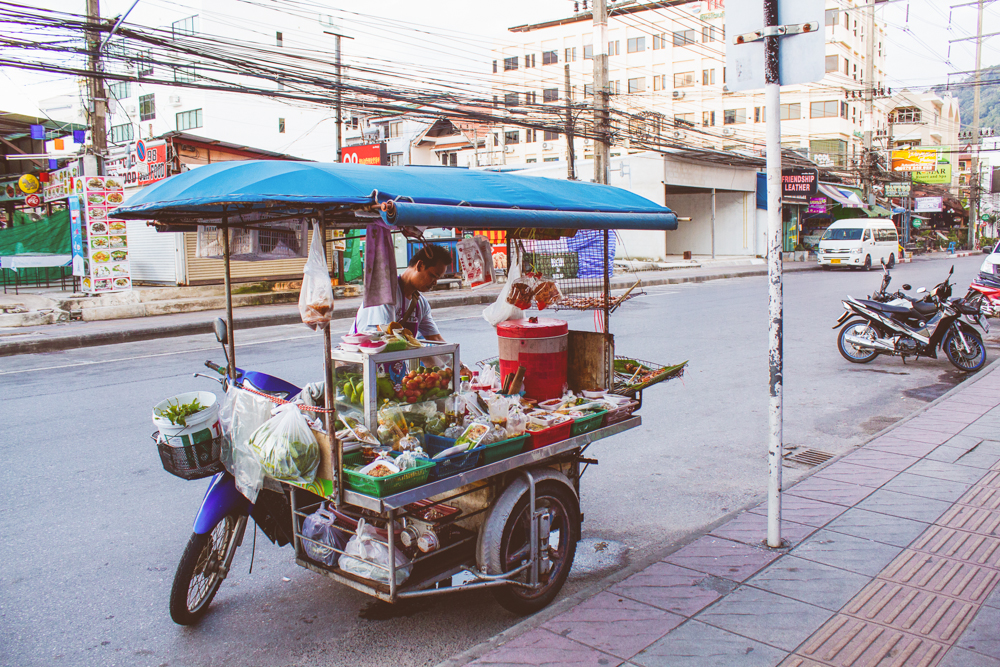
column 928, row 204
column 817, row 205
column 367, row 154
column 107, row 239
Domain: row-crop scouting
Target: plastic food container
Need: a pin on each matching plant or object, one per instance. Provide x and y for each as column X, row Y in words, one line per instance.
column 449, row 465
column 587, row 423
column 372, row 348
column 380, row 487
column 540, row 345
column 621, row 413
column 561, row 431
column 502, row 450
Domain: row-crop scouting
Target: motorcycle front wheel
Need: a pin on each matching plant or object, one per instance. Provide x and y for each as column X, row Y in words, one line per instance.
column 853, row 353
column 970, row 361
column 200, row 572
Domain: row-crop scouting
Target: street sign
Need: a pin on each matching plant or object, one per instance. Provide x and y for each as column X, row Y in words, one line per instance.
column 799, row 182
column 140, row 151
column 801, row 58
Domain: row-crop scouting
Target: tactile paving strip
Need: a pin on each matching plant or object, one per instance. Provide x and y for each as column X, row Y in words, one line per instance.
column 851, row 642
column 958, row 579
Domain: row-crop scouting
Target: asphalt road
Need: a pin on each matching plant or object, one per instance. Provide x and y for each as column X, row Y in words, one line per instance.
column 93, row 528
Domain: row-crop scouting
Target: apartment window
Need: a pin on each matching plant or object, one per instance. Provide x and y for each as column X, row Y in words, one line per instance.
column 683, row 79
column 835, row 149
column 550, row 57
column 905, row 115
column 847, row 21
column 855, row 75
column 530, row 136
column 449, row 159
column 832, row 63
column 615, row 87
column 843, row 110
column 531, row 160
column 760, row 114
column 660, row 41
column 710, row 33
column 588, row 89
column 529, row 60
column 279, row 39
column 394, row 129
column 734, row 116
column 613, row 48
column 188, row 74
column 188, row 120
column 531, row 97
column 791, row 111
column 144, row 64
column 684, row 119
column 550, row 136
column 120, row 90
column 708, row 77
column 550, row 159
column 509, row 64
column 184, row 26
column 832, row 17
column 588, row 51
column 122, row 133
column 494, row 67
column 550, row 95
column 510, row 100
column 570, row 55
column 847, row 67
column 683, row 37
column 660, row 82
column 281, row 126
column 636, row 44
column 823, row 109
column 512, row 137
column 395, row 159
column 708, row 118
column 637, row 85
column 147, row 107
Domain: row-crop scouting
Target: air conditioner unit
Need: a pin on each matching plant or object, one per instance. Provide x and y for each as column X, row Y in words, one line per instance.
column 546, row 145
column 728, row 131
column 174, row 100
column 508, row 149
column 130, row 109
column 678, row 94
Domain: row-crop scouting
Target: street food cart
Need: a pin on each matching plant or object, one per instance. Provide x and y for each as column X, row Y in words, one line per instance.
column 503, row 515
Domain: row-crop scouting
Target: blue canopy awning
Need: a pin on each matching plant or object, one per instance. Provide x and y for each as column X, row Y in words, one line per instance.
column 255, row 190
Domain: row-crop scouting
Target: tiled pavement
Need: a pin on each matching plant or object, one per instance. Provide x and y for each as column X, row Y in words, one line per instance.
column 893, row 560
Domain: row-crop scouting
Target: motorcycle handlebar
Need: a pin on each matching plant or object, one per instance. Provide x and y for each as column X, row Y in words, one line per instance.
column 215, row 367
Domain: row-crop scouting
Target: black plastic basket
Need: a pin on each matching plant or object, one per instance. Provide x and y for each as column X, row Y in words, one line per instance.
column 196, row 461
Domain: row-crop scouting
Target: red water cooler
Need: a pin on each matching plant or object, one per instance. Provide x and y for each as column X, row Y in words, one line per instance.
column 539, row 344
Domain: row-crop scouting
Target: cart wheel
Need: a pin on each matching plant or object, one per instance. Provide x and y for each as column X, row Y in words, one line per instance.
column 199, row 574
column 504, row 540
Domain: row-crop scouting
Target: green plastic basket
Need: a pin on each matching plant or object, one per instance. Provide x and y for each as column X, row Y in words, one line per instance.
column 380, row 487
column 587, row 424
column 502, row 450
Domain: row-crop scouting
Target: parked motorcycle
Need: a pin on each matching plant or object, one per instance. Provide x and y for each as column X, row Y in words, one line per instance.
column 984, row 293
column 222, row 519
column 916, row 329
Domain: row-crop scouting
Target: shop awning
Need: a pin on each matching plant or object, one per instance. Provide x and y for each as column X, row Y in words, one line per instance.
column 845, row 198
column 251, row 191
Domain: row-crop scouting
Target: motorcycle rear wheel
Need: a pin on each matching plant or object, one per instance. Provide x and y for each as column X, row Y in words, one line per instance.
column 969, row 362
column 199, row 574
column 852, row 353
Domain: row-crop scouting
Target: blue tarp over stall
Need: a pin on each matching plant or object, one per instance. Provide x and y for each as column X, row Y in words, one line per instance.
column 425, row 196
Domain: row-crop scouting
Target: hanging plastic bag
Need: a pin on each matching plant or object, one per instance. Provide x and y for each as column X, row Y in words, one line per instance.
column 502, row 310
column 316, row 297
column 367, row 551
column 477, row 264
column 547, row 292
column 286, row 447
column 243, row 413
column 322, row 537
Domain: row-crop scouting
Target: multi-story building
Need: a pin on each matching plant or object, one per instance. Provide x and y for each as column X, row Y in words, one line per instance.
column 924, row 120
column 668, row 84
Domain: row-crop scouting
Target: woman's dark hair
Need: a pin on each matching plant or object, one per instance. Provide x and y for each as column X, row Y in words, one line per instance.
column 431, row 255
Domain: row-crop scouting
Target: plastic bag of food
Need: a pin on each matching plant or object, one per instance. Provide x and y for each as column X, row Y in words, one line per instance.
column 502, row 310
column 476, row 261
column 243, row 413
column 322, row 537
column 547, row 292
column 516, row 421
column 522, row 291
column 316, row 297
column 286, row 447
column 367, row 554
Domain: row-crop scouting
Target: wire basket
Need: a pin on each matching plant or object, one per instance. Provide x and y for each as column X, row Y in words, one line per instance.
column 634, row 375
column 202, row 459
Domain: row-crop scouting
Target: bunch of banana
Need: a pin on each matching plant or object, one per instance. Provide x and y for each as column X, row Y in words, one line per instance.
column 401, row 333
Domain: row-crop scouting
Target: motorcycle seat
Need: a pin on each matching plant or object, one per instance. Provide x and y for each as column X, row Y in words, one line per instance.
column 988, row 280
column 883, row 307
column 924, row 307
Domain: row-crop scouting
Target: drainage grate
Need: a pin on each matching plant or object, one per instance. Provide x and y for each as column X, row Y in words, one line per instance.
column 809, row 457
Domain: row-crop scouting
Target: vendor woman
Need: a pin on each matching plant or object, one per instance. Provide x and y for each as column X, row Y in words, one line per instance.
column 409, row 307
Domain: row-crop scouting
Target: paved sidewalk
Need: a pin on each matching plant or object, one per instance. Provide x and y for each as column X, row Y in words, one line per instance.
column 894, row 559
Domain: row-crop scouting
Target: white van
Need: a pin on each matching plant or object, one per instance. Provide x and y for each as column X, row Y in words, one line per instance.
column 859, row 242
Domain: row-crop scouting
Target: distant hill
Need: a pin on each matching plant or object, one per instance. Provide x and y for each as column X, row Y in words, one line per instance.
column 989, row 98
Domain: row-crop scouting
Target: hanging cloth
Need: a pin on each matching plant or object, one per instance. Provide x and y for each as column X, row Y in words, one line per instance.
column 380, row 266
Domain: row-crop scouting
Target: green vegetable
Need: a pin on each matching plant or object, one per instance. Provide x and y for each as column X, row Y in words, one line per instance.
column 178, row 414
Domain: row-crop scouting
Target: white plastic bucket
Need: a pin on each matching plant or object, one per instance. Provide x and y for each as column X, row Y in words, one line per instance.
column 200, row 427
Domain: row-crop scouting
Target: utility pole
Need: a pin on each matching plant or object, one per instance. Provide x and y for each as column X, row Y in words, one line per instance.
column 974, row 185
column 602, row 150
column 869, row 119
column 339, row 141
column 95, row 83
column 570, row 138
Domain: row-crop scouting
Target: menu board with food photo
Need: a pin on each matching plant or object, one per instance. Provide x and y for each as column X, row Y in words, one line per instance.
column 107, row 240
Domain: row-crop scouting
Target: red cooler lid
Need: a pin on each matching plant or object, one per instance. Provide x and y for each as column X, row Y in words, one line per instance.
column 533, row 327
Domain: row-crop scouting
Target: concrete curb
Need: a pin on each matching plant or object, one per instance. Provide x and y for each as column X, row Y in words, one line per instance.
column 445, row 300
column 657, row 555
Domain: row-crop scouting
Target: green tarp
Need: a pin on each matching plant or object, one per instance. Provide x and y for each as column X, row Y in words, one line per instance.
column 47, row 236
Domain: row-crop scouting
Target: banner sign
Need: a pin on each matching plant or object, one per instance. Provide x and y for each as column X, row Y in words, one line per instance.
column 131, row 171
column 897, row 189
column 107, row 241
column 800, row 182
column 63, row 183
column 928, row 204
column 76, row 236
column 915, row 159
column 940, row 176
column 368, row 154
column 817, row 205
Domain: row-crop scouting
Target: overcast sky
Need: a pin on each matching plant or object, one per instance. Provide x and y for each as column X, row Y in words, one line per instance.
column 458, row 33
